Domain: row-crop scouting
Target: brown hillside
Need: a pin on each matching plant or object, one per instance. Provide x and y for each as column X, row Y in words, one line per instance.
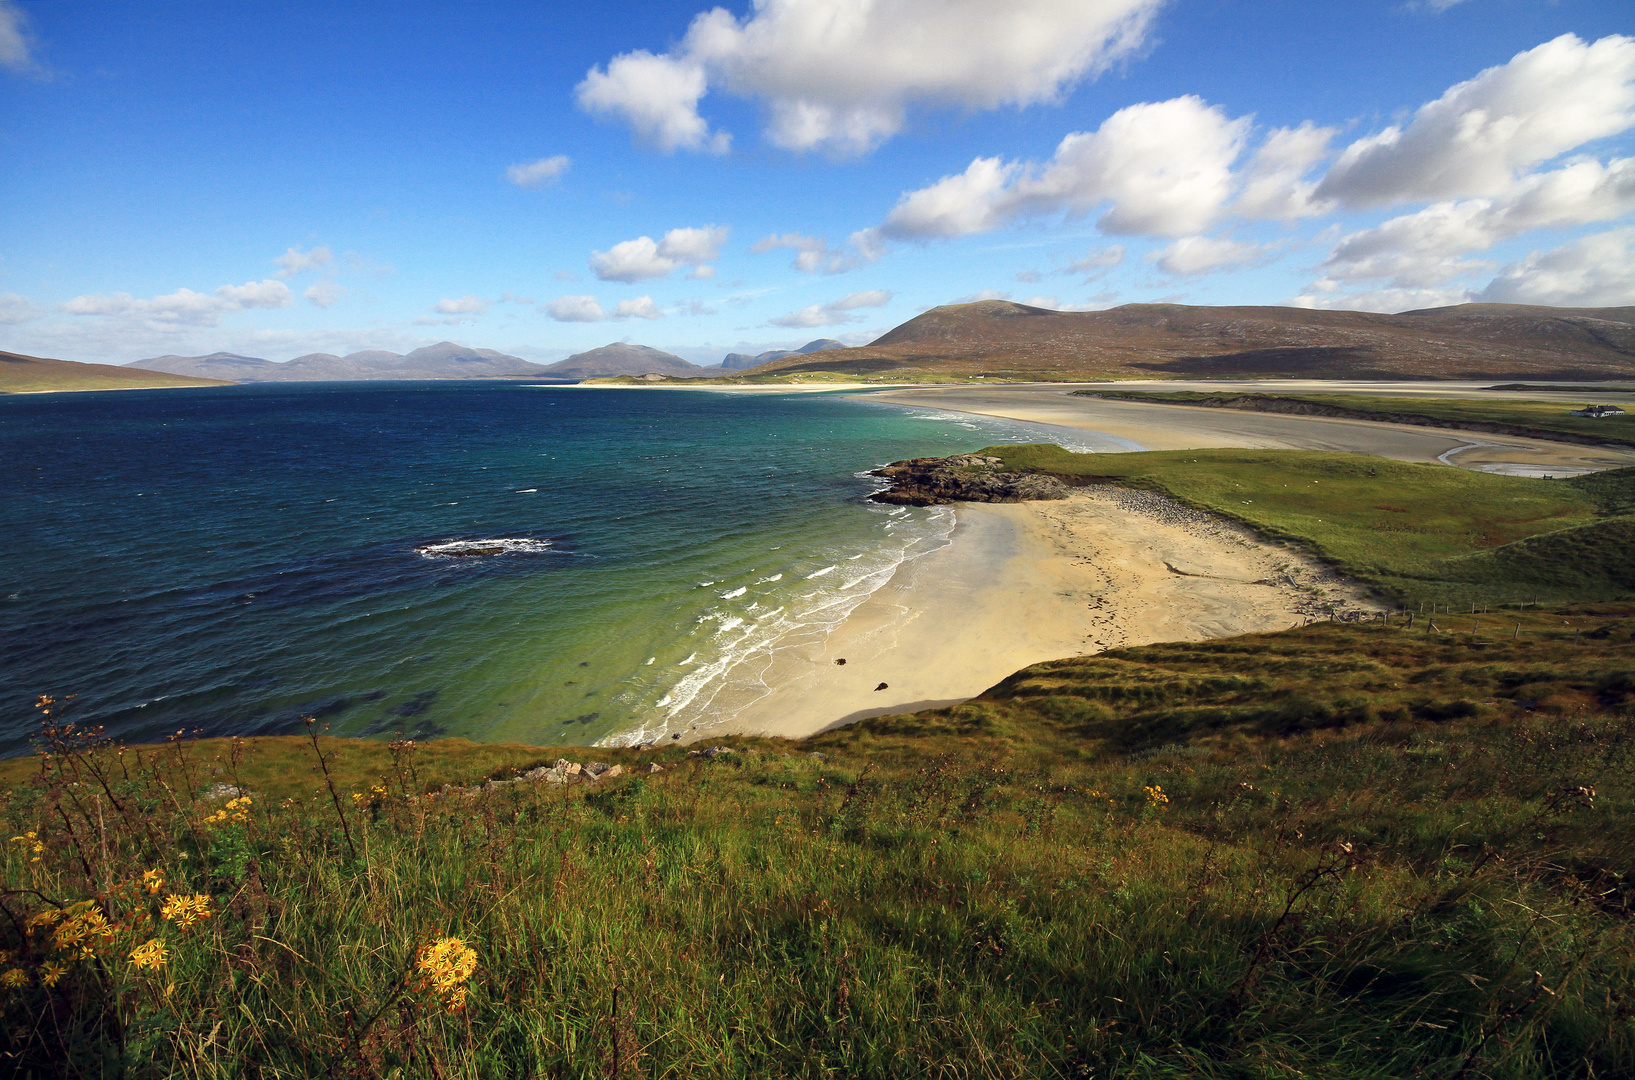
column 1472, row 341
column 21, row 374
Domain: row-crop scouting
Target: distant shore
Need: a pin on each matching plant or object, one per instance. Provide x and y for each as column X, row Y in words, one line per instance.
column 1027, row 582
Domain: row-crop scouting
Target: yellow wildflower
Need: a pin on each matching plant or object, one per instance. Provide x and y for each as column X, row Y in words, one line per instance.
column 150, row 955
column 14, row 978
column 236, row 812
column 51, row 973
column 1155, row 795
column 83, row 930
column 184, row 911
column 33, row 845
column 373, row 797
column 443, row 967
column 153, row 881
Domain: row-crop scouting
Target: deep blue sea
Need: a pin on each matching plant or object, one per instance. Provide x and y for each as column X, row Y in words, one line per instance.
column 230, row 560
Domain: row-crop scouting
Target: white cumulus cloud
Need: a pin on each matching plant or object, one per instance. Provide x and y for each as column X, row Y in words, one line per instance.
column 294, row 260
column 1476, row 138
column 1275, row 185
column 1389, row 301
column 1097, row 263
column 1159, row 169
column 575, row 309
column 644, row 258
column 1597, row 271
column 1431, row 246
column 813, row 255
column 589, row 309
column 841, row 74
column 836, row 312
column 642, row 307
column 324, row 293
column 534, row 174
column 1192, row 255
column 463, row 305
column 184, row 306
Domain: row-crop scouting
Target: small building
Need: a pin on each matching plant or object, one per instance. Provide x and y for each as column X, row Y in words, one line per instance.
column 1596, row 412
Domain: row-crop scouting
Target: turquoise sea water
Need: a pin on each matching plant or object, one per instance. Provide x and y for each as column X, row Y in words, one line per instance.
column 230, row 560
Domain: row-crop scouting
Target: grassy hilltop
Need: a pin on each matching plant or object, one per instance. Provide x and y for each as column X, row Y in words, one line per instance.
column 1348, row 850
column 21, row 374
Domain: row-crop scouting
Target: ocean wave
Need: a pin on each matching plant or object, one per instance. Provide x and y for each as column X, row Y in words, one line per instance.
column 734, row 665
column 739, row 591
column 467, row 549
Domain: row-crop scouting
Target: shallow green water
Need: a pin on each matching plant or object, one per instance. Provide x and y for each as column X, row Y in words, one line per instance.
column 230, row 560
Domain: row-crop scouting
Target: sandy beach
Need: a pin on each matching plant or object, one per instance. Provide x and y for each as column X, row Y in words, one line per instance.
column 1147, row 426
column 1027, row 582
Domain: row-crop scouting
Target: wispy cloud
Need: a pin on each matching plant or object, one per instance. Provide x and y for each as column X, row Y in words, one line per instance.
column 835, row 312
column 539, row 173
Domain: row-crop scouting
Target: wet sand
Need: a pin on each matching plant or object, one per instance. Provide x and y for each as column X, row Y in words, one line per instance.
column 1024, row 583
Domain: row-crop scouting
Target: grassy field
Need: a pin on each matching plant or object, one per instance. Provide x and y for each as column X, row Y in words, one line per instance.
column 1386, row 849
column 1546, row 417
column 1417, row 532
column 1344, row 851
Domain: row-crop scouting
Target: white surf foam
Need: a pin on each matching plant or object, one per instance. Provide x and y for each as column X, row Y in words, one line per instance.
column 502, row 545
column 731, row 669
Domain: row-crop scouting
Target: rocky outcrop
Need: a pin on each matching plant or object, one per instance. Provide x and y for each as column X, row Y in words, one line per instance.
column 962, row 478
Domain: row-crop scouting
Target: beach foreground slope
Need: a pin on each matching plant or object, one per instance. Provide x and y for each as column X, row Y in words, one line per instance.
column 1344, row 850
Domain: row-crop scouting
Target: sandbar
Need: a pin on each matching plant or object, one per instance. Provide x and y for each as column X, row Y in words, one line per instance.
column 1180, row 427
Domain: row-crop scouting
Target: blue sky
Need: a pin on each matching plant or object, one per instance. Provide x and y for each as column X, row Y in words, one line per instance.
column 540, row 179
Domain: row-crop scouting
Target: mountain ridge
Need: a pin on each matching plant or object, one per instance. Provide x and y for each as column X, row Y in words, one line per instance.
column 744, row 361
column 1006, row 339
column 444, row 360
column 622, row 358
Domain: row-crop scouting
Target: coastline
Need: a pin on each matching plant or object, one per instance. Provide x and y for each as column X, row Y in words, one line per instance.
column 1178, row 427
column 1022, row 583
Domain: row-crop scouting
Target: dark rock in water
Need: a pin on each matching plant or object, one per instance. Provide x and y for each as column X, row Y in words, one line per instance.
column 962, row 478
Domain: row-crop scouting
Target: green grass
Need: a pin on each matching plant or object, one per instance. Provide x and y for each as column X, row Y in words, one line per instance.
column 1344, row 851
column 1399, row 848
column 1416, row 532
column 1545, row 417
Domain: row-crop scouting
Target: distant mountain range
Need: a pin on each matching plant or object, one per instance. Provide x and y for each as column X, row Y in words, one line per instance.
column 1469, row 341
column 1001, row 339
column 620, row 358
column 446, row 360
column 738, row 361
